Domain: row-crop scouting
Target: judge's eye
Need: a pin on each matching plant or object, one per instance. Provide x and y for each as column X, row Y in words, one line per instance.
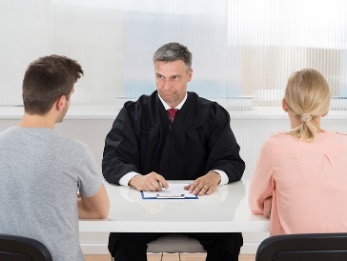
column 176, row 77
column 159, row 77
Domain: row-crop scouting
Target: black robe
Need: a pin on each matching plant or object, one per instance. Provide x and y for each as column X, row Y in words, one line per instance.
column 200, row 139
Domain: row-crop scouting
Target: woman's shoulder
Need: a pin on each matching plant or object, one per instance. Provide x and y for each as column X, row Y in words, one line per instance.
column 279, row 138
column 337, row 136
column 282, row 135
column 279, row 135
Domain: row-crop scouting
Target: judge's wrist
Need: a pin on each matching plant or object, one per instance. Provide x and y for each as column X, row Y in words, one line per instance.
column 135, row 181
column 216, row 176
column 224, row 179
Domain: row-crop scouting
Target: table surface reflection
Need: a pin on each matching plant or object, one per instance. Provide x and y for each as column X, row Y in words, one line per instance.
column 226, row 210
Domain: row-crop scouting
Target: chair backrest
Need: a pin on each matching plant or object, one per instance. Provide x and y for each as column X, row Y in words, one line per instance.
column 18, row 248
column 304, row 247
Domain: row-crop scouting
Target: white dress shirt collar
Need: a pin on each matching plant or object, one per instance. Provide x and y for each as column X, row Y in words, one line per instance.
column 178, row 107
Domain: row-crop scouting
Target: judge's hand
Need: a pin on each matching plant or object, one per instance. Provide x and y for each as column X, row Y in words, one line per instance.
column 150, row 182
column 206, row 184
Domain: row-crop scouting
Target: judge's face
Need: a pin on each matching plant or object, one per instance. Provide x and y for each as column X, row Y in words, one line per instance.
column 171, row 81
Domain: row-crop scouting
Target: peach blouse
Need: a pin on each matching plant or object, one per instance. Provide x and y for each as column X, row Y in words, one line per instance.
column 307, row 182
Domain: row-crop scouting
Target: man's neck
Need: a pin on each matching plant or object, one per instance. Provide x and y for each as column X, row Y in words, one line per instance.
column 173, row 106
column 36, row 121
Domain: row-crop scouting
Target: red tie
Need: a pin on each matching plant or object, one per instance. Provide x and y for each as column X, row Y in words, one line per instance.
column 172, row 114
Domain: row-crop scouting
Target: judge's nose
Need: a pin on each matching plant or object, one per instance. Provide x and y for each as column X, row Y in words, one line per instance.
column 166, row 85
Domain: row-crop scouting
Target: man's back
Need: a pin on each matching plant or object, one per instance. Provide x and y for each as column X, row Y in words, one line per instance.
column 40, row 176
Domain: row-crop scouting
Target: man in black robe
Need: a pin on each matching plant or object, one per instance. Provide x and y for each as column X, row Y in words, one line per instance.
column 148, row 146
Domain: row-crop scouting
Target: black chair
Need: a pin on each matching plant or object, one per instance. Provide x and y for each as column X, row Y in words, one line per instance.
column 304, row 247
column 18, row 248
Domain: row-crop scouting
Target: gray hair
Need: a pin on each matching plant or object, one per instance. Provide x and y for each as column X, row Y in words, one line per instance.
column 172, row 52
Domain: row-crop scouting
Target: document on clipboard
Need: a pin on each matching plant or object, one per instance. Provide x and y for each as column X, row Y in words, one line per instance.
column 175, row 191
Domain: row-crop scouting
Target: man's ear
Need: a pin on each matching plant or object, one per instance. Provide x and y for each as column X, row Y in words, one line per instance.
column 190, row 74
column 284, row 105
column 60, row 103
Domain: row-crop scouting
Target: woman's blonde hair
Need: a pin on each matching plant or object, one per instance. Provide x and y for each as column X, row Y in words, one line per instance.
column 308, row 97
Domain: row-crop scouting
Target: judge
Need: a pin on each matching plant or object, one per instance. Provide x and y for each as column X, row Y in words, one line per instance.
column 172, row 134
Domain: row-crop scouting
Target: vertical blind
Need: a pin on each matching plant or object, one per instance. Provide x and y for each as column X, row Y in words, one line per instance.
column 243, row 50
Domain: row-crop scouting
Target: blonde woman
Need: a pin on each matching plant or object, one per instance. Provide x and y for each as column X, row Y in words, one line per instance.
column 301, row 175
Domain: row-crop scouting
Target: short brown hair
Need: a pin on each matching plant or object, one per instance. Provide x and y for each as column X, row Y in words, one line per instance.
column 47, row 79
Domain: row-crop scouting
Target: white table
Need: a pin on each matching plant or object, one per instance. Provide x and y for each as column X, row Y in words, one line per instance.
column 226, row 210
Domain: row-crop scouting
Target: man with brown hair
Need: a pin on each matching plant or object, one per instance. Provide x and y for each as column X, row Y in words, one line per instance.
column 42, row 172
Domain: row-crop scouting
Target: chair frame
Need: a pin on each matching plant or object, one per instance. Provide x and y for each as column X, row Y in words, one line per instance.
column 24, row 246
column 164, row 245
column 160, row 245
column 304, row 247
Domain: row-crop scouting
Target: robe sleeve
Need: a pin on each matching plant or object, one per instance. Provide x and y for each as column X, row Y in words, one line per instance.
column 121, row 154
column 224, row 150
column 262, row 183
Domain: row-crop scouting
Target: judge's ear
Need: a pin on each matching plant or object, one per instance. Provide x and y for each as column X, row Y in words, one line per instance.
column 284, row 105
column 190, row 74
column 60, row 103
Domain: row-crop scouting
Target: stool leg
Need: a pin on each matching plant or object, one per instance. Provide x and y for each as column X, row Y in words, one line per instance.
column 162, row 255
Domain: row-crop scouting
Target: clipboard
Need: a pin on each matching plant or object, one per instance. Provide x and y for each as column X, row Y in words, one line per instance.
column 175, row 191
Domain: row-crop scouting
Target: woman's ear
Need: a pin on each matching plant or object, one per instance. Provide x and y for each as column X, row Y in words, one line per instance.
column 284, row 105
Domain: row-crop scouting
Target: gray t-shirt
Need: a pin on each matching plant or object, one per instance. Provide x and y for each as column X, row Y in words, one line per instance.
column 41, row 173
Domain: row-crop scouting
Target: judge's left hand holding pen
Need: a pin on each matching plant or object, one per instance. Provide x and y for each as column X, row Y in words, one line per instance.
column 149, row 182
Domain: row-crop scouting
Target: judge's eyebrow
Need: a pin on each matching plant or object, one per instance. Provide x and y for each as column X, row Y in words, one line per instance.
column 172, row 77
column 158, row 75
column 175, row 76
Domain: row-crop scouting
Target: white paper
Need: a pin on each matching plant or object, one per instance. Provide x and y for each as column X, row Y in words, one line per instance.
column 174, row 191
